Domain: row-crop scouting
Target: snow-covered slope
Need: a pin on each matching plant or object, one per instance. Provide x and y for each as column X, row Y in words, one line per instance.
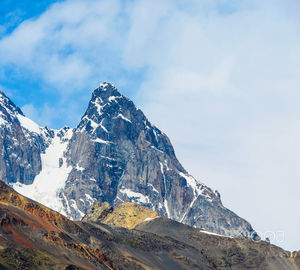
column 114, row 154
column 51, row 180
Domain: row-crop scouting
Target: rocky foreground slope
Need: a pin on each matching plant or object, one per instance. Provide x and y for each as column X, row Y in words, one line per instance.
column 114, row 155
column 33, row 236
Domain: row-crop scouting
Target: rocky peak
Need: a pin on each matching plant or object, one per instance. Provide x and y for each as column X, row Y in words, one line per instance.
column 111, row 116
column 114, row 155
column 106, row 105
column 22, row 142
column 8, row 110
column 105, row 91
column 10, row 114
column 8, row 105
column 108, row 102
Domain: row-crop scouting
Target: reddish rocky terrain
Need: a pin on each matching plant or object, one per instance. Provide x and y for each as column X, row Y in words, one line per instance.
column 33, row 236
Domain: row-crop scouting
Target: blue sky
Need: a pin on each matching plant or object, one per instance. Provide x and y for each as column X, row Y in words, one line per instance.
column 220, row 77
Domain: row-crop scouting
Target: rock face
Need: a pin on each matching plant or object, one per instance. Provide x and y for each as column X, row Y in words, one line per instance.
column 127, row 215
column 116, row 155
column 21, row 144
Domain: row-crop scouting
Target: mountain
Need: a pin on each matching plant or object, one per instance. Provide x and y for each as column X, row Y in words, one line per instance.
column 35, row 237
column 22, row 142
column 114, row 155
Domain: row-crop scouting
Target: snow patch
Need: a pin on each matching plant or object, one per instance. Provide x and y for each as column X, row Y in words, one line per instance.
column 74, row 205
column 135, row 195
column 149, row 219
column 153, row 188
column 93, row 124
column 103, row 85
column 98, row 105
column 123, row 117
column 165, row 185
column 98, row 140
column 109, row 158
column 103, row 127
column 152, row 146
column 49, row 183
column 89, row 198
column 193, row 183
column 2, row 121
column 68, row 206
column 155, row 134
column 28, row 124
column 190, row 207
column 113, row 98
column 216, row 234
column 78, row 168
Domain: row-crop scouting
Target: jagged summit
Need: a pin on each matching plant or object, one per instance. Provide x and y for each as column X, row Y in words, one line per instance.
column 12, row 114
column 8, row 109
column 106, row 87
column 114, row 155
column 22, row 142
column 108, row 106
column 105, row 93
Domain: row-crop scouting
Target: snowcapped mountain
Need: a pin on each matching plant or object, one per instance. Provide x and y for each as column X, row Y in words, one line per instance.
column 22, row 141
column 113, row 155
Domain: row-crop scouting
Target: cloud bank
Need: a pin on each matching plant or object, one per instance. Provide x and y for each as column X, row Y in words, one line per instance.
column 223, row 74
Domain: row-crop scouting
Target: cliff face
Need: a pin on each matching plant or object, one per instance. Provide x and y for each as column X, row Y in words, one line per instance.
column 21, row 144
column 123, row 158
column 114, row 155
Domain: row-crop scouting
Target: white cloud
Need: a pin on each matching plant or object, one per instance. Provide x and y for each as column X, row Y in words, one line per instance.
column 63, row 45
column 227, row 90
column 223, row 74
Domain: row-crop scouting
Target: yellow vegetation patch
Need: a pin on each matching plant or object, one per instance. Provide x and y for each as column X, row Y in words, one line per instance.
column 128, row 215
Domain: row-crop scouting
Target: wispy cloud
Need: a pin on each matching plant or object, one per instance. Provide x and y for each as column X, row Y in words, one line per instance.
column 223, row 74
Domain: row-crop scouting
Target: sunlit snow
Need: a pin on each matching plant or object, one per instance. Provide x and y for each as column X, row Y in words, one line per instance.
column 51, row 180
column 28, row 124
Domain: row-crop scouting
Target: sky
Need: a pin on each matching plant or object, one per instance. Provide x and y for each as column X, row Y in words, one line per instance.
column 220, row 77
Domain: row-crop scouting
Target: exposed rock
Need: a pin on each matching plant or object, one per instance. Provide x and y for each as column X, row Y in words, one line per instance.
column 127, row 215
column 98, row 212
column 296, row 257
column 114, row 155
column 21, row 144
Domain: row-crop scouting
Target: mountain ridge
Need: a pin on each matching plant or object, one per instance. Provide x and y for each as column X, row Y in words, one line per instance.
column 116, row 155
